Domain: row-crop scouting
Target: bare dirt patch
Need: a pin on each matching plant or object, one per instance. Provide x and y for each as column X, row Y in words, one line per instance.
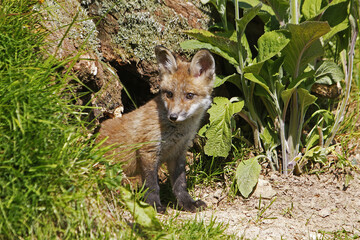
column 302, row 206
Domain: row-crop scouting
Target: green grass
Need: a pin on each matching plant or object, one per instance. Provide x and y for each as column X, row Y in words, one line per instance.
column 341, row 234
column 202, row 230
column 54, row 182
column 47, row 178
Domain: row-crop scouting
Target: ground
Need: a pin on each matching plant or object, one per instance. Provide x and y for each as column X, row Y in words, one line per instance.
column 305, row 207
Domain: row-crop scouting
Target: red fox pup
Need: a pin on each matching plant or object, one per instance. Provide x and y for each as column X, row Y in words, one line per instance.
column 165, row 126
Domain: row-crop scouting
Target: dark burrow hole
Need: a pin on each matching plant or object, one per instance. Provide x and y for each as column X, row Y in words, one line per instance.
column 136, row 87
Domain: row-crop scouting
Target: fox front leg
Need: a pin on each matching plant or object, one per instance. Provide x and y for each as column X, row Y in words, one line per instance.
column 150, row 178
column 152, row 195
column 178, row 180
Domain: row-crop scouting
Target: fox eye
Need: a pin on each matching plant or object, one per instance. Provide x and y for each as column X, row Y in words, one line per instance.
column 168, row 94
column 190, row 96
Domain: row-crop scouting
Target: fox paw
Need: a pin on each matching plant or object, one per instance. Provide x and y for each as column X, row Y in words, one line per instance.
column 192, row 206
column 160, row 209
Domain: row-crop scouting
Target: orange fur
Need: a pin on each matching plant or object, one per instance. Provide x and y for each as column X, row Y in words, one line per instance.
column 161, row 130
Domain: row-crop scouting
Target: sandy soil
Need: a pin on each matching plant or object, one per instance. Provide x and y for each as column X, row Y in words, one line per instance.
column 301, row 208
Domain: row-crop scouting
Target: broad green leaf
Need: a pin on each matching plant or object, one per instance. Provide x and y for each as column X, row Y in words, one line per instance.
column 234, row 79
column 336, row 12
column 294, row 83
column 259, row 80
column 221, row 80
column 304, row 45
column 196, row 44
column 254, row 68
column 328, row 73
column 248, row 15
column 143, row 213
column 280, row 8
column 252, row 3
column 236, row 107
column 336, row 15
column 247, row 175
column 220, row 6
column 269, row 138
column 218, row 44
column 272, row 73
column 219, row 131
column 336, row 29
column 305, row 99
column 311, row 8
column 202, row 130
column 271, row 43
column 286, row 96
column 247, row 55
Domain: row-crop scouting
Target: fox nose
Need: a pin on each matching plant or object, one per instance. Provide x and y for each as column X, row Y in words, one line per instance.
column 173, row 117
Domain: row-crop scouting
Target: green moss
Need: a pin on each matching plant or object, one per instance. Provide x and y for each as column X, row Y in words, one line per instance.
column 143, row 24
column 61, row 14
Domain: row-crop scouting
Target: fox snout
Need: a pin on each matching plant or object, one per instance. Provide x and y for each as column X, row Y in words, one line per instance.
column 173, row 117
column 186, row 109
column 177, row 115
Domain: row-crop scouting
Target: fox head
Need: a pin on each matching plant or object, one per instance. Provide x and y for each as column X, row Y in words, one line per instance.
column 185, row 87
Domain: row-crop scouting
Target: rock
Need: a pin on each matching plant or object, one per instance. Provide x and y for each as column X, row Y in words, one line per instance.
column 264, row 189
column 315, row 236
column 326, row 91
column 325, row 212
column 218, row 193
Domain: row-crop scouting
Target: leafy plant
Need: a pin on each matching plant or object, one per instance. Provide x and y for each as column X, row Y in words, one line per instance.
column 275, row 85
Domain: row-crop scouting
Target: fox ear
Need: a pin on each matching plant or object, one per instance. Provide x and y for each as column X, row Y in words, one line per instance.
column 165, row 59
column 203, row 63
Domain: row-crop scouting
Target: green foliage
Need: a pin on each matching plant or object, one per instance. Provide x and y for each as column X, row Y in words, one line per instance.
column 304, row 46
column 247, row 175
column 221, row 45
column 144, row 214
column 219, row 131
column 311, row 8
column 271, row 43
column 275, row 85
column 220, row 6
column 328, row 73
